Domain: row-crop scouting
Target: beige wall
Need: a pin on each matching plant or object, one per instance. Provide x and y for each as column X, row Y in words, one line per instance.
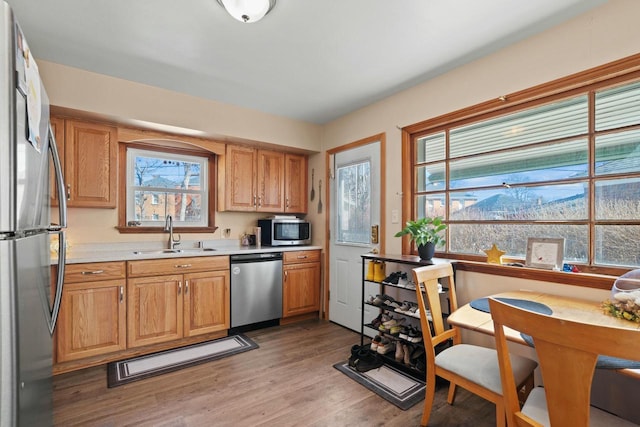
column 601, row 35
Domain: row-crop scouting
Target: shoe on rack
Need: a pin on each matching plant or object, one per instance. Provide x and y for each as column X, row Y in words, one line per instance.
column 375, row 342
column 404, row 331
column 378, row 300
column 392, row 279
column 414, row 335
column 399, row 352
column 392, row 304
column 403, row 281
column 385, row 346
column 377, row 321
column 408, row 349
column 404, row 308
column 395, row 330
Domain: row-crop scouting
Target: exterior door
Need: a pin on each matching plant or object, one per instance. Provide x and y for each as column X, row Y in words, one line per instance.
column 355, row 198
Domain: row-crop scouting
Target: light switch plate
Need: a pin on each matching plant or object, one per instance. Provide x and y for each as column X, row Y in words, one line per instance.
column 394, row 216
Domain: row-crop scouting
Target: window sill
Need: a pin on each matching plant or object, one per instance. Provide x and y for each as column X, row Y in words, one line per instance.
column 147, row 230
column 589, row 280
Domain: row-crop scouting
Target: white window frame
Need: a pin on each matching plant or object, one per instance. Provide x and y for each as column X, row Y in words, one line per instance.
column 131, row 188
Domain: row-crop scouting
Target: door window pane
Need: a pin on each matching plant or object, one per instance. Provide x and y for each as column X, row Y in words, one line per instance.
column 354, row 203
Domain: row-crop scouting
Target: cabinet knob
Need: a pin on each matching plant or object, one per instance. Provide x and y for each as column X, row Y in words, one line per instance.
column 182, row 266
column 186, row 287
column 84, row 273
column 121, row 294
column 68, row 191
column 179, row 287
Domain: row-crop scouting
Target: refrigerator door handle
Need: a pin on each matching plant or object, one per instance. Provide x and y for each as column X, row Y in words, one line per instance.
column 58, row 229
column 62, row 254
column 62, row 199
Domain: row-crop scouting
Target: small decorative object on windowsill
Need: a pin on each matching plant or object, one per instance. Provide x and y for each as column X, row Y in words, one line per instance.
column 625, row 297
column 426, row 233
column 494, row 255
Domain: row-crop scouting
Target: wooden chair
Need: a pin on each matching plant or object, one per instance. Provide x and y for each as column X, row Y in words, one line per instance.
column 567, row 353
column 472, row 367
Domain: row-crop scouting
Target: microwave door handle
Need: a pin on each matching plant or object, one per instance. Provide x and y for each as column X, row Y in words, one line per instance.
column 62, row 200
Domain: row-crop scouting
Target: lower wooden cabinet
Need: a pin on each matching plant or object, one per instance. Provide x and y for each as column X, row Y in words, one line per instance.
column 167, row 307
column 92, row 319
column 301, row 283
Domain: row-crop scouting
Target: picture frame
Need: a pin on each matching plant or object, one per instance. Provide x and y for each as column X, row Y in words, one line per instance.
column 545, row 252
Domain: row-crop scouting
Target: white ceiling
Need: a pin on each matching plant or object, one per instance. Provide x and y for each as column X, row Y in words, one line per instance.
column 311, row 60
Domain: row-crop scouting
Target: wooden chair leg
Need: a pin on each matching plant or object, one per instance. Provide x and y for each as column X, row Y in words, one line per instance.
column 501, row 416
column 428, row 400
column 452, row 393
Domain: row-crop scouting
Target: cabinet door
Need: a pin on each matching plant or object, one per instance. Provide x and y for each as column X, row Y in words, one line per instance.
column 57, row 126
column 270, row 181
column 154, row 310
column 296, row 183
column 90, row 164
column 301, row 289
column 92, row 319
column 206, row 302
column 240, row 181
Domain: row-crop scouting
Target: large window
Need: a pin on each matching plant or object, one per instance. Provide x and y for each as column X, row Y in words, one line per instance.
column 160, row 183
column 563, row 166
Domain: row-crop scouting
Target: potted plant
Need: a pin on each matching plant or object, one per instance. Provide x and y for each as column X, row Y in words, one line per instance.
column 426, row 233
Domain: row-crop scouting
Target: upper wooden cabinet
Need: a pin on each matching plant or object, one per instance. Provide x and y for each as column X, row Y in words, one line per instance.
column 295, row 191
column 256, row 180
column 88, row 152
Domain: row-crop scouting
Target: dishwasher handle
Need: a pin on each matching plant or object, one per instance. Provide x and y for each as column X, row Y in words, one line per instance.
column 256, row 257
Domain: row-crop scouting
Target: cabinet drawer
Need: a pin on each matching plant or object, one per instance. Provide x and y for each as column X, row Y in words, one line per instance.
column 154, row 267
column 301, row 256
column 93, row 271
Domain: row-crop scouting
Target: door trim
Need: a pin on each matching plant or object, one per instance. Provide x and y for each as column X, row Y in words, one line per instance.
column 381, row 138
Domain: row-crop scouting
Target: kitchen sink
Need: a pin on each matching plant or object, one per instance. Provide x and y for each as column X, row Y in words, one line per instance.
column 173, row 251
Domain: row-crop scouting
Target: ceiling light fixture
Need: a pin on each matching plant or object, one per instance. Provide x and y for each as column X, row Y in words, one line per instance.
column 248, row 11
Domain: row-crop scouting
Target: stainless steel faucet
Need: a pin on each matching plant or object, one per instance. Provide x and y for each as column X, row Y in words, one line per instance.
column 168, row 226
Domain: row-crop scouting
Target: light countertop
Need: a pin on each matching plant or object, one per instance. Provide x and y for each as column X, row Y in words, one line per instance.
column 85, row 253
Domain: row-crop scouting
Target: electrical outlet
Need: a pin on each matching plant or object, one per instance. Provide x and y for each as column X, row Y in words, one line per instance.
column 226, row 233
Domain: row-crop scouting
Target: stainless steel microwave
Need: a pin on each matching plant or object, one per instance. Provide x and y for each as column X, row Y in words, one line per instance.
column 284, row 231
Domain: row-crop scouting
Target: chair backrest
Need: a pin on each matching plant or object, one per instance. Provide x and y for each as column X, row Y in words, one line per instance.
column 428, row 277
column 567, row 352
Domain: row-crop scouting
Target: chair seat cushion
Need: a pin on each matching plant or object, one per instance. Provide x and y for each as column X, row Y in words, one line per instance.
column 480, row 365
column 536, row 408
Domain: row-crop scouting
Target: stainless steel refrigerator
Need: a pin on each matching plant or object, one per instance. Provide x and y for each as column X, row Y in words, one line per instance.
column 28, row 305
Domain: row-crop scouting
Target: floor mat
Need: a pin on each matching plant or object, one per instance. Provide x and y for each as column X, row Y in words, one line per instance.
column 137, row 368
column 389, row 383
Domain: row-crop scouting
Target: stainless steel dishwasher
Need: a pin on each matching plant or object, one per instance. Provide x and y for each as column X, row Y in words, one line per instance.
column 256, row 288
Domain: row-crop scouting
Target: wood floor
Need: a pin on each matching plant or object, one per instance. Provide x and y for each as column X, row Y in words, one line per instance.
column 288, row 381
